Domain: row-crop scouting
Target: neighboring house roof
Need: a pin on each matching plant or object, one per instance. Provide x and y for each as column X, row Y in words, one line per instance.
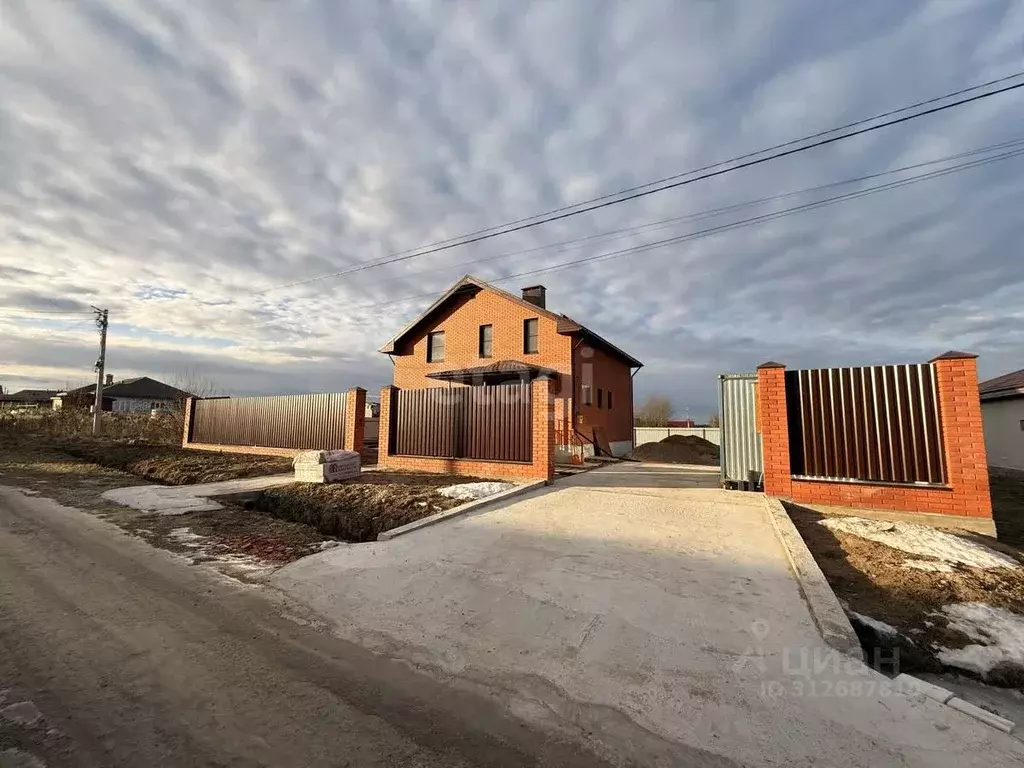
column 501, row 370
column 141, row 387
column 565, row 324
column 28, row 396
column 1007, row 385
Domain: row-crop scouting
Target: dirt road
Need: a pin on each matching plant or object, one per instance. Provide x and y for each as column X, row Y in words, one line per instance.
column 113, row 653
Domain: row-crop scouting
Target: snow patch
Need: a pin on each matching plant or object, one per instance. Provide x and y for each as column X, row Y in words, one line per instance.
column 928, row 565
column 186, row 538
column 474, row 491
column 922, row 540
column 1001, row 634
column 879, row 626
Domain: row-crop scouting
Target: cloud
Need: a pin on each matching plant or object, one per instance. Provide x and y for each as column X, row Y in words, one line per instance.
column 171, row 161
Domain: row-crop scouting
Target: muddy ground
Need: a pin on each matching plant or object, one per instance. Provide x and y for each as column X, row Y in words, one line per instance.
column 358, row 510
column 869, row 578
column 246, row 540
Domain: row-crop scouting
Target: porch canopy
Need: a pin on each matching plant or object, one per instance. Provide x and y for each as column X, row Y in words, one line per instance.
column 500, row 372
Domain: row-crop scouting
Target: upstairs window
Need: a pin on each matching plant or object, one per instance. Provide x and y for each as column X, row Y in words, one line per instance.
column 435, row 347
column 531, row 340
column 588, row 394
column 608, row 402
column 600, row 397
column 486, row 340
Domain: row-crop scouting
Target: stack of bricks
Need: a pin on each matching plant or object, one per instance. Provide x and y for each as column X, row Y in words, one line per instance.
column 541, row 467
column 966, row 492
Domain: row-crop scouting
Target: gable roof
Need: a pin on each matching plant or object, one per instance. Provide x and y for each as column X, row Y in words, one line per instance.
column 28, row 395
column 141, row 387
column 469, row 284
column 1007, row 385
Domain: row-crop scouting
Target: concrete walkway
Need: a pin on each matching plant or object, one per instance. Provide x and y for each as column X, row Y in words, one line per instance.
column 640, row 610
column 180, row 499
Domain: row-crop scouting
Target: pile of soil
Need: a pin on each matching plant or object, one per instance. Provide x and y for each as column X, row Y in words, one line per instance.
column 678, row 449
column 358, row 510
column 869, row 578
column 173, row 465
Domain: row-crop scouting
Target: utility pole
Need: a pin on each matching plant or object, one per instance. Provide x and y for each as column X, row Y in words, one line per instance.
column 97, row 412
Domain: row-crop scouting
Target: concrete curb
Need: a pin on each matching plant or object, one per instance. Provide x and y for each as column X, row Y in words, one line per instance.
column 828, row 614
column 911, row 685
column 463, row 509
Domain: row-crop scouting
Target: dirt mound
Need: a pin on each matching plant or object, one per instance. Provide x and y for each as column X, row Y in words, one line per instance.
column 678, row 449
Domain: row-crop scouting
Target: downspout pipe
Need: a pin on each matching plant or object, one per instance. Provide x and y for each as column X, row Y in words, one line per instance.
column 632, row 407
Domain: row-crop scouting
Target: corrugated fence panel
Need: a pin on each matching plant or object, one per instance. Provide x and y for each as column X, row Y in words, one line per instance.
column 314, row 422
column 878, row 423
column 489, row 423
column 740, row 443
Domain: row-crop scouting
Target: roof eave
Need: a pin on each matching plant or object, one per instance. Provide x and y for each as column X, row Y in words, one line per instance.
column 1002, row 394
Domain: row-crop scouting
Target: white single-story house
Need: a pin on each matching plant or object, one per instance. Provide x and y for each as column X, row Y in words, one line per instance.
column 1002, row 414
column 138, row 395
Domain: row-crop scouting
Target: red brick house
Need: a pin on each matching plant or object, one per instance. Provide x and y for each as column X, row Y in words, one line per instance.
column 479, row 335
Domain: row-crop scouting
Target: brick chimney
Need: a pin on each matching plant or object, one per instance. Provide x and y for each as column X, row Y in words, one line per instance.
column 536, row 294
column 110, row 380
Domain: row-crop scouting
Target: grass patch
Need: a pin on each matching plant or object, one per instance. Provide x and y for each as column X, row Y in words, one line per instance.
column 358, row 510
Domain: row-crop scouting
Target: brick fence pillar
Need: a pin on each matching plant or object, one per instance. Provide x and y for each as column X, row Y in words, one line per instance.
column 543, row 429
column 355, row 419
column 186, row 419
column 384, row 425
column 956, row 375
column 773, row 424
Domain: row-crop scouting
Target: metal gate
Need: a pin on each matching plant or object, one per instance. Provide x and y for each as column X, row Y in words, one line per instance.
column 740, row 444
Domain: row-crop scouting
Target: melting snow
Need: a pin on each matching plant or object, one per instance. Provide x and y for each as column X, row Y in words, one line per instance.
column 1001, row 634
column 928, row 565
column 185, row 537
column 474, row 491
column 922, row 540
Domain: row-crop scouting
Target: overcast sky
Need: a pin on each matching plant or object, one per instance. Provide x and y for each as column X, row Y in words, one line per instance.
column 170, row 160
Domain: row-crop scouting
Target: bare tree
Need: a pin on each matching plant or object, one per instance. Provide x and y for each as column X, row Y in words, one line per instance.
column 655, row 412
column 714, row 421
column 191, row 382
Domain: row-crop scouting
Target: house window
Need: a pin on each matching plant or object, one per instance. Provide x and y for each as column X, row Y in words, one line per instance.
column 531, row 342
column 1022, row 425
column 600, row 397
column 588, row 394
column 608, row 402
column 435, row 347
column 486, row 340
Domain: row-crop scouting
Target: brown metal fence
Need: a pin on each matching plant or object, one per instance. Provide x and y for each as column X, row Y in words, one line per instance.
column 279, row 421
column 489, row 423
column 878, row 423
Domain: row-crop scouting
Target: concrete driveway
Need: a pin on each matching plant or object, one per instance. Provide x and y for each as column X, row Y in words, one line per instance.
column 644, row 611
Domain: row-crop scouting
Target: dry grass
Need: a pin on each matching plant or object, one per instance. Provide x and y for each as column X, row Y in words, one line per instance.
column 359, row 510
column 173, row 465
column 164, row 429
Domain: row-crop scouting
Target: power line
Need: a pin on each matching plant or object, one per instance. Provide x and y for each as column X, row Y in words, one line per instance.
column 700, row 234
column 66, row 313
column 675, row 181
column 616, row 234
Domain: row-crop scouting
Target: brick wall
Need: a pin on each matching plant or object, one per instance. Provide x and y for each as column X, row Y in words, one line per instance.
column 542, row 467
column 355, row 419
column 967, row 490
column 599, row 370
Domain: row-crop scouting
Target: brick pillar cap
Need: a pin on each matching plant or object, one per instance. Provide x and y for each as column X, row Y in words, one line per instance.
column 954, row 355
column 356, row 389
column 388, row 386
column 771, row 364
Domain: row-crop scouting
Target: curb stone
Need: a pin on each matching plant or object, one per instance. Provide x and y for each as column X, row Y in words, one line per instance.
column 460, row 510
column 829, row 616
column 910, row 684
